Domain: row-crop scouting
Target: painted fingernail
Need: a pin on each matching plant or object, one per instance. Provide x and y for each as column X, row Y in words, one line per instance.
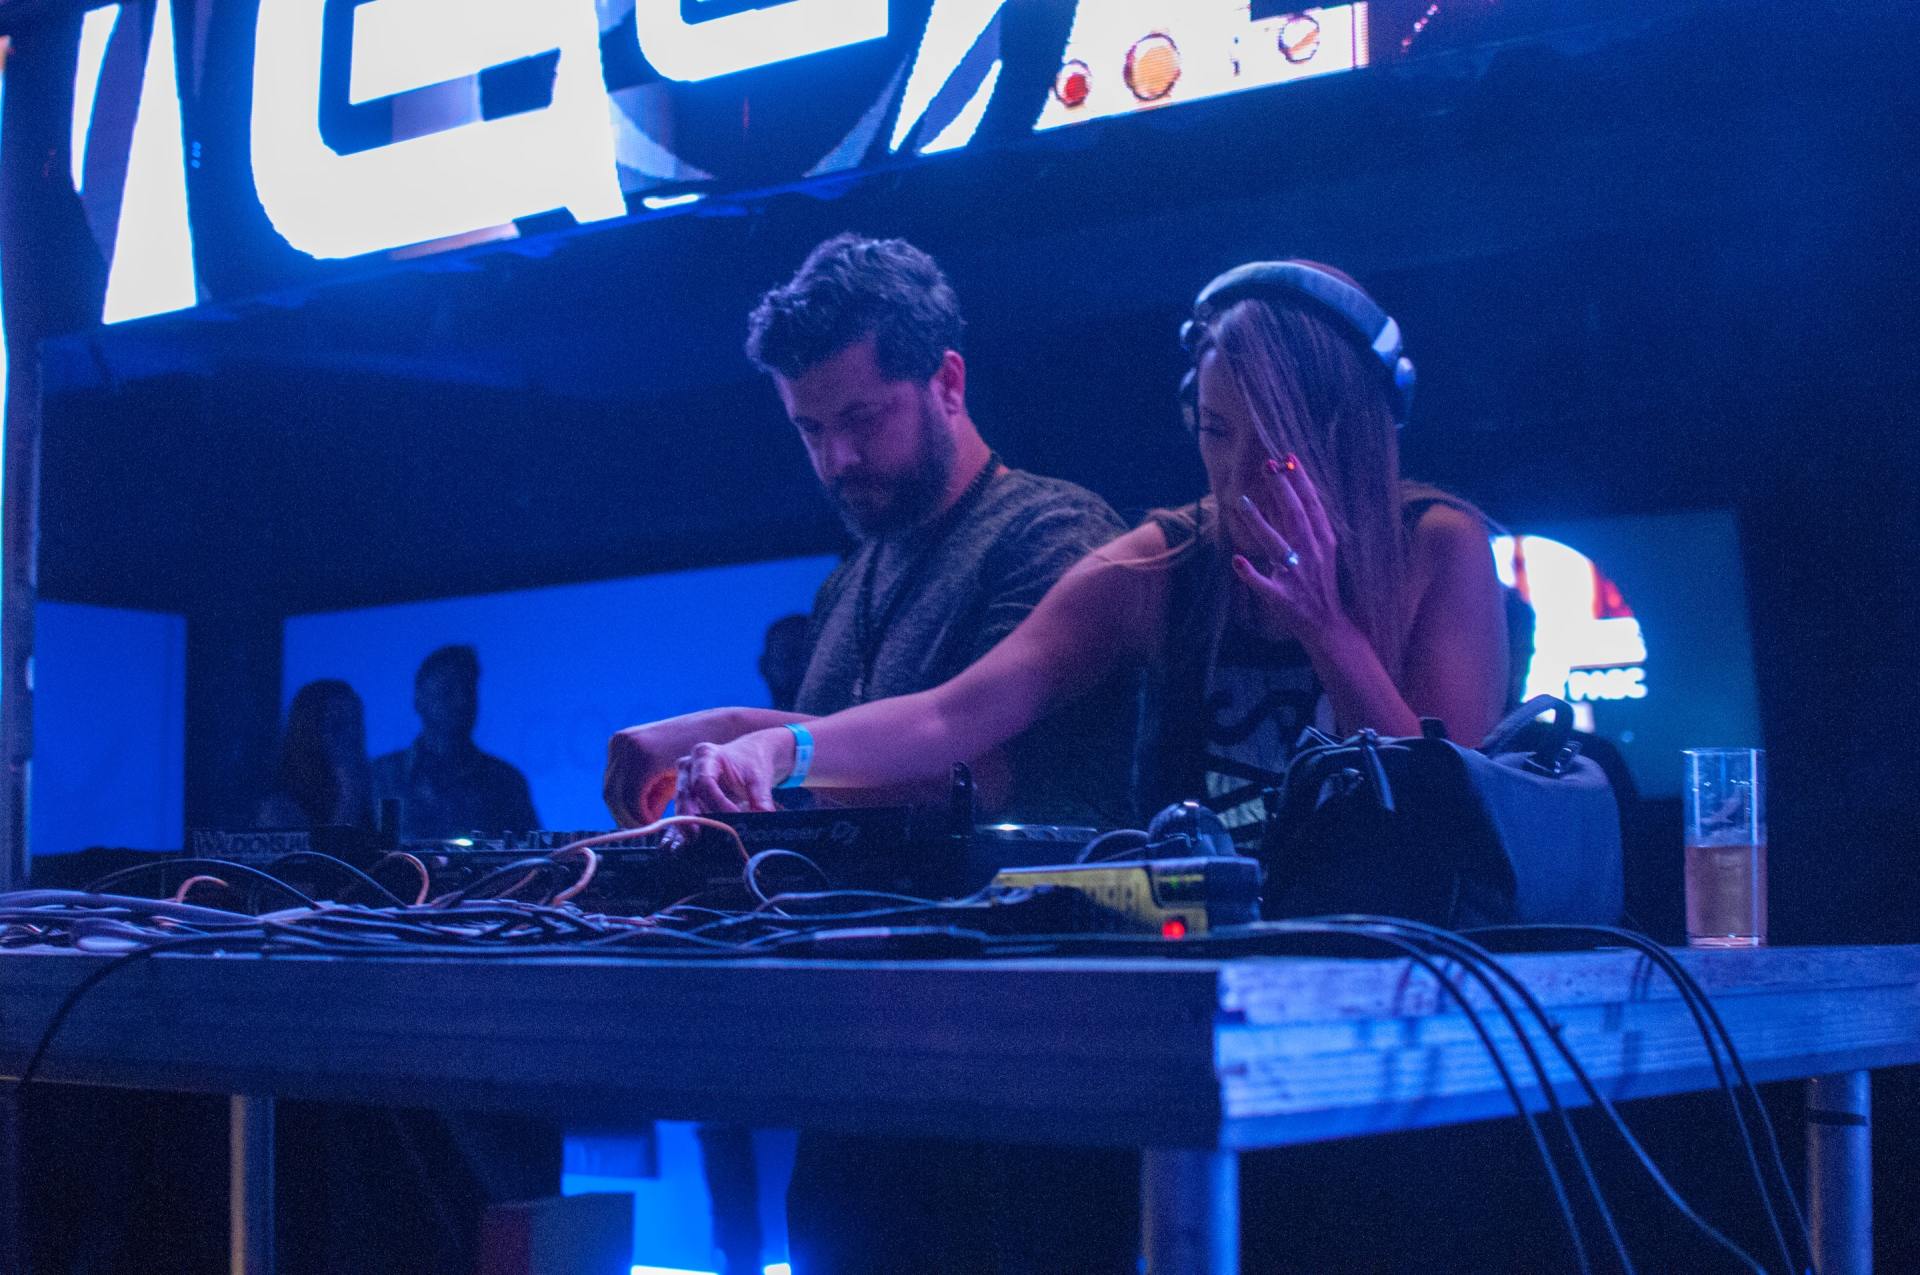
column 1273, row 466
column 1293, row 462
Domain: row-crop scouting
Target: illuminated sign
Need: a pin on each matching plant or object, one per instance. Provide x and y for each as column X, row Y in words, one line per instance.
column 132, row 180
column 466, row 173
column 345, row 128
column 449, row 167
column 1587, row 685
column 1132, row 55
column 1587, row 645
column 955, row 71
column 460, row 171
column 700, row 39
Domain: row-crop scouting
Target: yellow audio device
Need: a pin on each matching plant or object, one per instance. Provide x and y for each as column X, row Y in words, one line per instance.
column 1170, row 897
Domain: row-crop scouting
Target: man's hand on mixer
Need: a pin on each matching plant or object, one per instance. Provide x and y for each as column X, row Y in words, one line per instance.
column 641, row 760
column 722, row 778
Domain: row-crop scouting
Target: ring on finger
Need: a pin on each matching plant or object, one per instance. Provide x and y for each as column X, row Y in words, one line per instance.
column 1292, row 559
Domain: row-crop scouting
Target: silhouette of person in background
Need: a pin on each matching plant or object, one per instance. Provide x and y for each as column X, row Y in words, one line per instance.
column 324, row 778
column 445, row 785
column 348, row 1162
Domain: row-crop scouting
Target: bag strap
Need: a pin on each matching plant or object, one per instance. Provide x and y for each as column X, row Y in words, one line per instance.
column 1374, row 769
column 1361, row 749
column 1555, row 747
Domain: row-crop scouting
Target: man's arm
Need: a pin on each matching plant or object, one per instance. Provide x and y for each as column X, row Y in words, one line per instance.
column 641, row 759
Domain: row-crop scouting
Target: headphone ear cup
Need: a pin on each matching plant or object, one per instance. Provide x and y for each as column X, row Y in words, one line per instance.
column 1404, row 380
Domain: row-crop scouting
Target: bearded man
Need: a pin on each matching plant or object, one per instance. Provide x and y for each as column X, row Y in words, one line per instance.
column 953, row 547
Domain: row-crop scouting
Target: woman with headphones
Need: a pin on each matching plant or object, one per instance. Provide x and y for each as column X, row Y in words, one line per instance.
column 1309, row 587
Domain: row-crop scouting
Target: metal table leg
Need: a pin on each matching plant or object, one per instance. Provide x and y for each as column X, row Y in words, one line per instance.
column 250, row 1186
column 13, row 1245
column 1840, row 1172
column 1190, row 1211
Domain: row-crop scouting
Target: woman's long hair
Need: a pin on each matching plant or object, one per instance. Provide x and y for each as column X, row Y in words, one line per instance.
column 307, row 768
column 1313, row 393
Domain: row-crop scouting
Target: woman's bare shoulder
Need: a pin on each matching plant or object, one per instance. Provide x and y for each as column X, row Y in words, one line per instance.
column 1446, row 540
column 1146, row 544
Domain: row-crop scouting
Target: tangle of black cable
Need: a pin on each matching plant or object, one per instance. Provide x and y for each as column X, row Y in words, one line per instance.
column 224, row 866
column 341, row 866
column 1466, row 950
column 1714, row 1034
column 1454, row 992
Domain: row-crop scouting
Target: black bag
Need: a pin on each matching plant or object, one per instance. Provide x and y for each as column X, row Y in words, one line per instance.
column 1523, row 829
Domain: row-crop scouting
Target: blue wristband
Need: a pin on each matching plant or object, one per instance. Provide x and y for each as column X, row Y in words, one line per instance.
column 802, row 757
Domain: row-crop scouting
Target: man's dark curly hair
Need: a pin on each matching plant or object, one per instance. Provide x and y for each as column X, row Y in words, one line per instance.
column 849, row 288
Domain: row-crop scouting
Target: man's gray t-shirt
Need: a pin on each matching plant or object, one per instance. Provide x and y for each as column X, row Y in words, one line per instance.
column 973, row 582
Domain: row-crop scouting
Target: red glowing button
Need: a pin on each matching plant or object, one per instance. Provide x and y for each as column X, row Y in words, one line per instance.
column 1073, row 84
column 1173, row 928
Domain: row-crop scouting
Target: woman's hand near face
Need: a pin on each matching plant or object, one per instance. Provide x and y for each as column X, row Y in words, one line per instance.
column 1455, row 660
column 1298, row 596
column 1296, row 591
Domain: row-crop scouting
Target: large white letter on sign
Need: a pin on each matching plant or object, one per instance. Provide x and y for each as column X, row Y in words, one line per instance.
column 682, row 44
column 473, row 175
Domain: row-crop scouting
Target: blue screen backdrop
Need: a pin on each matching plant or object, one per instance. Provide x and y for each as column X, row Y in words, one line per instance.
column 562, row 668
column 109, row 710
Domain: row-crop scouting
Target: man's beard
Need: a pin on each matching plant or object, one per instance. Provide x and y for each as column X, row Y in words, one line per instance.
column 911, row 498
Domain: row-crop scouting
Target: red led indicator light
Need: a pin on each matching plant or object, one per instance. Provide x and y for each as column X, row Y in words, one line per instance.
column 1073, row 84
column 1173, row 928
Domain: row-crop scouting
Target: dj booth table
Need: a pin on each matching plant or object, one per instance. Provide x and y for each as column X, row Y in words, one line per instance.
column 1192, row 1060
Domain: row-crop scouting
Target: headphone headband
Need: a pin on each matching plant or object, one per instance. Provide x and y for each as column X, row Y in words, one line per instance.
column 1352, row 311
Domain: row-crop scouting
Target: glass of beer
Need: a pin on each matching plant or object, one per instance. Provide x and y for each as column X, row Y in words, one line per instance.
column 1726, row 818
